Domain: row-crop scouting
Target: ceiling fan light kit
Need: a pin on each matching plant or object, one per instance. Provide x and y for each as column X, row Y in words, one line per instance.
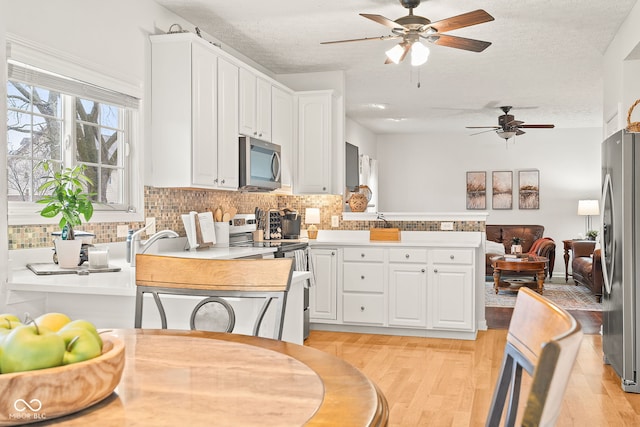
column 411, row 28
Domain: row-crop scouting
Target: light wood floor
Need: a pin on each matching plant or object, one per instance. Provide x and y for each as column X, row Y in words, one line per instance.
column 439, row 382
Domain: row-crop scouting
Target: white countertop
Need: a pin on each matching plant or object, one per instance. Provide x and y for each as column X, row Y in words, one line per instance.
column 121, row 283
column 470, row 239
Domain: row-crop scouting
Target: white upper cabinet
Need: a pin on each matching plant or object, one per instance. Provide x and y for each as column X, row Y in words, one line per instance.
column 313, row 169
column 282, row 115
column 255, row 106
column 228, row 149
column 194, row 114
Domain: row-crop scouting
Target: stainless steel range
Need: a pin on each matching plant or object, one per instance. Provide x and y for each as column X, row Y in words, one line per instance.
column 241, row 234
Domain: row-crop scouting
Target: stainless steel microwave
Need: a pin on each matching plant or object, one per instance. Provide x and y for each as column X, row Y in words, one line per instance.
column 259, row 165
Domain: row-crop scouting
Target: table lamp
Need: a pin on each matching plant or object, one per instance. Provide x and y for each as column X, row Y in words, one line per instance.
column 312, row 217
column 587, row 208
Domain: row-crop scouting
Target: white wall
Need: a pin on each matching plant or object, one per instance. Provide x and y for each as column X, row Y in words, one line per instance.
column 621, row 85
column 361, row 137
column 427, row 173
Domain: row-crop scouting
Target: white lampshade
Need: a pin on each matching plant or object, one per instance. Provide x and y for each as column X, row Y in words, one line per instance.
column 419, row 54
column 588, row 207
column 506, row 134
column 395, row 53
column 312, row 216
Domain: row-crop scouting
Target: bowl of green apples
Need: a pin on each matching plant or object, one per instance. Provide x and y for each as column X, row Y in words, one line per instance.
column 53, row 366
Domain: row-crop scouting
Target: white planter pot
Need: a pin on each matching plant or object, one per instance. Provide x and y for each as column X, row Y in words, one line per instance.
column 68, row 252
column 516, row 249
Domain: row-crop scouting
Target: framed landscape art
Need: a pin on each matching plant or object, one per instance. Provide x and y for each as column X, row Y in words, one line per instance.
column 476, row 190
column 502, row 190
column 529, row 189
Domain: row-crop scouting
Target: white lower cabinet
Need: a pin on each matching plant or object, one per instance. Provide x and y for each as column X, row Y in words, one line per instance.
column 407, row 295
column 323, row 295
column 363, row 286
column 408, row 287
column 424, row 291
column 363, row 308
column 451, row 296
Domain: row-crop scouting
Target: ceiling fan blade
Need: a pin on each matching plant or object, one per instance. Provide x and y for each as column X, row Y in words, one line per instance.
column 458, row 42
column 484, row 131
column 514, row 123
column 483, row 127
column 363, row 39
column 382, row 20
column 465, row 20
column 519, row 132
column 537, row 126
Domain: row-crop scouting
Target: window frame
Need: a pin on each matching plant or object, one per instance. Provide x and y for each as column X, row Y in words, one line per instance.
column 25, row 52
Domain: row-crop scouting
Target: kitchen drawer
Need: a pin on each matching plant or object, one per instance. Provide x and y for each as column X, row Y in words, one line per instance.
column 363, row 277
column 408, row 255
column 453, row 256
column 363, row 308
column 363, row 254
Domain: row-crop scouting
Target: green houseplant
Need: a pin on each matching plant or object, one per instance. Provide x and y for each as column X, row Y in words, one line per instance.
column 66, row 195
column 592, row 234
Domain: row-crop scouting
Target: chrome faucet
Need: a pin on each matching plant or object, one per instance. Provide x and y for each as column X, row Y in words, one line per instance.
column 140, row 247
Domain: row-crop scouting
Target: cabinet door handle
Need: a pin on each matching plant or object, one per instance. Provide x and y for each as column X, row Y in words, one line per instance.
column 362, row 277
column 435, row 270
column 451, row 256
column 255, row 133
column 223, row 181
column 362, row 308
column 423, row 270
column 333, row 253
column 215, row 180
column 362, row 255
column 406, row 256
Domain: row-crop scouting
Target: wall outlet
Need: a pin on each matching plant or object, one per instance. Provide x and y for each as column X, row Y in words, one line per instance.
column 446, row 226
column 122, row 230
column 335, row 221
column 151, row 230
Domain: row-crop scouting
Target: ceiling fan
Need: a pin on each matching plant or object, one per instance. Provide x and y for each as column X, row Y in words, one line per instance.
column 411, row 28
column 508, row 126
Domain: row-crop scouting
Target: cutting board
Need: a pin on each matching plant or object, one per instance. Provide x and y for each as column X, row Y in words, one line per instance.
column 51, row 268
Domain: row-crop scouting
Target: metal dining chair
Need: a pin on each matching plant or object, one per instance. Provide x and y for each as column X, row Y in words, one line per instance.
column 214, row 280
column 543, row 339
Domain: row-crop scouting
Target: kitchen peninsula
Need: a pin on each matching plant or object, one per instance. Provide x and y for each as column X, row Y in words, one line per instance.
column 429, row 283
column 108, row 298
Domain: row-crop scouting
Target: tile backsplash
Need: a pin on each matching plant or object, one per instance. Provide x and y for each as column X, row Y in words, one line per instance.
column 167, row 204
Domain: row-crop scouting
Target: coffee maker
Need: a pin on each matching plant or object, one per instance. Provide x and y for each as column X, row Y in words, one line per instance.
column 290, row 224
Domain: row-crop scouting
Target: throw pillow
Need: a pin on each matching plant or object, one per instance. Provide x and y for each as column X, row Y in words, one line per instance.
column 492, row 247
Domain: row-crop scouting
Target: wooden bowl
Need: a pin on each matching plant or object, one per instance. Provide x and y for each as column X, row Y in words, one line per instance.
column 49, row 393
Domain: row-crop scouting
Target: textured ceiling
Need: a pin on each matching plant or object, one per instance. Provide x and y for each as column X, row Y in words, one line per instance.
column 545, row 59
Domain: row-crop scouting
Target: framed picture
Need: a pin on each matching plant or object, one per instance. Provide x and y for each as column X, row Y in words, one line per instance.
column 502, row 190
column 476, row 190
column 529, row 189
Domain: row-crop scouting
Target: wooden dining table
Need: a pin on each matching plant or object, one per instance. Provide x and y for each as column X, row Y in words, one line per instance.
column 193, row 378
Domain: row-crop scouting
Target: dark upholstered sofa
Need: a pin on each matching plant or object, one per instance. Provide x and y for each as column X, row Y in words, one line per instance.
column 533, row 241
column 586, row 266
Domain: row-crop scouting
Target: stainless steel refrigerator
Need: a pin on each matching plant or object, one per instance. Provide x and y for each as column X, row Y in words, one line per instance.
column 620, row 242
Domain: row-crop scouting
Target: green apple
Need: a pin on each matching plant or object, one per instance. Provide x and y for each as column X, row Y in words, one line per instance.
column 7, row 324
column 9, row 321
column 83, row 324
column 29, row 347
column 53, row 321
column 80, row 344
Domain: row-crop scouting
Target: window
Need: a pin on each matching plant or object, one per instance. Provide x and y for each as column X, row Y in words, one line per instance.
column 68, row 122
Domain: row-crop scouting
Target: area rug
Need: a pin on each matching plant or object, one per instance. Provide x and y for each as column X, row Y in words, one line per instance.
column 567, row 296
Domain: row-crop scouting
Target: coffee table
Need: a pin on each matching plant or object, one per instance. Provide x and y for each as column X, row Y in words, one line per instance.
column 522, row 264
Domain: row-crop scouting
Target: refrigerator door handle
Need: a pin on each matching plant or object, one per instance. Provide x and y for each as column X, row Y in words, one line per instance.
column 608, row 240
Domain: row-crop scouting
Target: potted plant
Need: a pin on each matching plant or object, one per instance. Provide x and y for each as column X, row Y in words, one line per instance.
column 67, row 196
column 516, row 245
column 592, row 234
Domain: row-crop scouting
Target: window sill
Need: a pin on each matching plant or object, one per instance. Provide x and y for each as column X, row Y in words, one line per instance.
column 16, row 217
